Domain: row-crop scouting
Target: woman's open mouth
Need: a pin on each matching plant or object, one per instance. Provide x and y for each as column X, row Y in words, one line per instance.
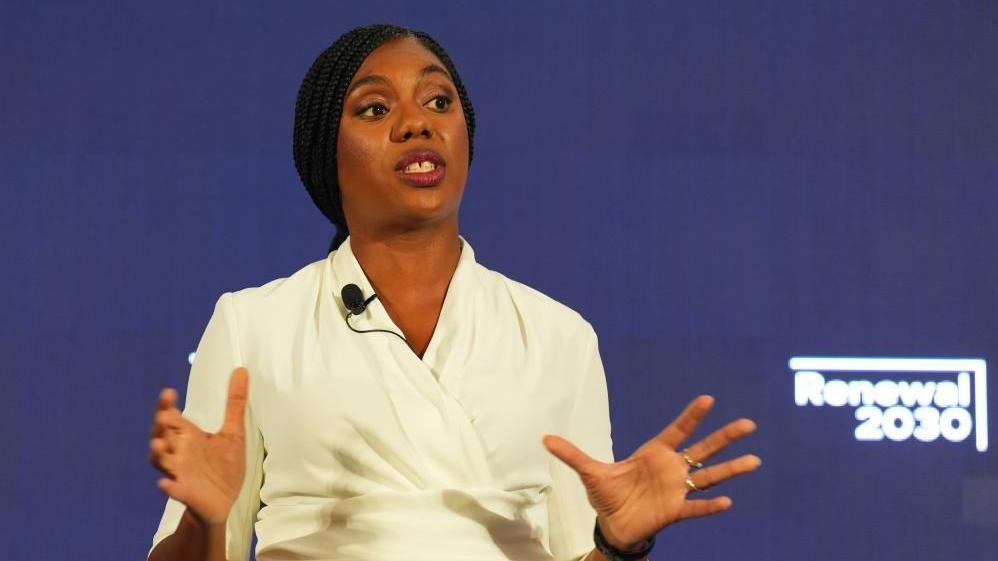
column 421, row 168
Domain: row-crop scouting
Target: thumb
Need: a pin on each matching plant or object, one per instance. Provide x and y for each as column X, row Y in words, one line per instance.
column 235, row 405
column 570, row 454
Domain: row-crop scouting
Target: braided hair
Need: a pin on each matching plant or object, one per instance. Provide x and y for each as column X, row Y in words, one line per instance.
column 320, row 105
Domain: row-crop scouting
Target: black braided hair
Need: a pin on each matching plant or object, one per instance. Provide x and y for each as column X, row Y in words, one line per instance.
column 320, row 104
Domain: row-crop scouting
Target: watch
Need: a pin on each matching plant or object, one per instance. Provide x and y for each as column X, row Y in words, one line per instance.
column 614, row 554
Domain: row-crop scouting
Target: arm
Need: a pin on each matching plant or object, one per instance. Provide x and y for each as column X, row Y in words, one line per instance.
column 183, row 534
column 570, row 515
column 192, row 541
column 638, row 496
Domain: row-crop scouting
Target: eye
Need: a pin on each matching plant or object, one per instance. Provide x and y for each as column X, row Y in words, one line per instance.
column 440, row 103
column 373, row 110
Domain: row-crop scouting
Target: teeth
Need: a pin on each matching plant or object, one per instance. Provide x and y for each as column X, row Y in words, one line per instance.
column 420, row 167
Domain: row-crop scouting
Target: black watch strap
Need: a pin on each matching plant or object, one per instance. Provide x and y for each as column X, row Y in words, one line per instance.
column 615, row 554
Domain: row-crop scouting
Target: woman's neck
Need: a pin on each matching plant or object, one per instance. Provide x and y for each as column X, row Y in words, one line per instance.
column 410, row 272
column 400, row 263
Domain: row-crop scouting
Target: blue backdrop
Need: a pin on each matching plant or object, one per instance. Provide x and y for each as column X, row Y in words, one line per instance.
column 732, row 184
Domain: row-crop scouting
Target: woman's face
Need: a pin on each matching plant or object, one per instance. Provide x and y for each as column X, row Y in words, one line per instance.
column 402, row 151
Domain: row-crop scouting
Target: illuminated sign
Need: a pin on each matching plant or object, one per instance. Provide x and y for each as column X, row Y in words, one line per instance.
column 900, row 398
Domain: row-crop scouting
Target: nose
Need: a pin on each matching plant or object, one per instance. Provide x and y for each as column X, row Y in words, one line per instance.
column 411, row 122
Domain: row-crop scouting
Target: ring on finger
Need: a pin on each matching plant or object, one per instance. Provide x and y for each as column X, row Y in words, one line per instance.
column 692, row 486
column 689, row 461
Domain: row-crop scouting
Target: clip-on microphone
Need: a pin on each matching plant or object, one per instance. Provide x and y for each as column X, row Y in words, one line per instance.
column 353, row 300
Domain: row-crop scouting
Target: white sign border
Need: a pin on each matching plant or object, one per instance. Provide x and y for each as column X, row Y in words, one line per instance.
column 860, row 364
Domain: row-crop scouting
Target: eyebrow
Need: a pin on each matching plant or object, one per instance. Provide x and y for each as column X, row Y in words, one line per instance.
column 379, row 79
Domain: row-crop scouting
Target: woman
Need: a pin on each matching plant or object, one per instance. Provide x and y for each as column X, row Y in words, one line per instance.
column 410, row 427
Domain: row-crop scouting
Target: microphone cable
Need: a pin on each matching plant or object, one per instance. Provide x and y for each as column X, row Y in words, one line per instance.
column 353, row 299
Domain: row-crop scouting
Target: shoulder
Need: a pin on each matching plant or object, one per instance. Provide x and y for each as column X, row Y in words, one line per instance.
column 282, row 298
column 536, row 309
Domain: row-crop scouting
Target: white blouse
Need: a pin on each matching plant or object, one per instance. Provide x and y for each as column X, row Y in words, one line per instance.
column 358, row 449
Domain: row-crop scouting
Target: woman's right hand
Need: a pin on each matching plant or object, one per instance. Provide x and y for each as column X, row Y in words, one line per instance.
column 204, row 471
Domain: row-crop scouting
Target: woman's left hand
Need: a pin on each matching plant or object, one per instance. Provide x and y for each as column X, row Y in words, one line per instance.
column 636, row 497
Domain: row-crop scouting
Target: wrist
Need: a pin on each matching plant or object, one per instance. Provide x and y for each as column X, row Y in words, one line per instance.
column 613, row 541
column 615, row 549
column 206, row 523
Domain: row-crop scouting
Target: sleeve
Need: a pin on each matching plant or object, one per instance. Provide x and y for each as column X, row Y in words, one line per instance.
column 217, row 354
column 571, row 517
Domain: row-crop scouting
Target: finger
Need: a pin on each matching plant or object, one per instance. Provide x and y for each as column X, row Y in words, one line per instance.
column 160, row 446
column 704, row 507
column 171, row 424
column 570, row 454
column 160, row 456
column 166, row 401
column 710, row 476
column 235, row 405
column 687, row 421
column 169, row 419
column 167, row 486
column 719, row 439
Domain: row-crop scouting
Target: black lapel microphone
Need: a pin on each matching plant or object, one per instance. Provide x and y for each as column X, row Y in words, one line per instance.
column 353, row 300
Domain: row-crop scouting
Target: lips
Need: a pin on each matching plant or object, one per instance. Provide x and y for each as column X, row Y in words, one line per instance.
column 421, row 168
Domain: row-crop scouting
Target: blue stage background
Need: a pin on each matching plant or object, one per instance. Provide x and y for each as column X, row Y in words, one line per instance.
column 716, row 186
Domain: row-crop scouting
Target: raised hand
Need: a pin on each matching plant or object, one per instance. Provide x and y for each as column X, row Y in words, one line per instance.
column 204, row 471
column 636, row 497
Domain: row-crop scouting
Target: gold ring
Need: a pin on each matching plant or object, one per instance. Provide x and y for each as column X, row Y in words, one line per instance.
column 692, row 486
column 690, row 462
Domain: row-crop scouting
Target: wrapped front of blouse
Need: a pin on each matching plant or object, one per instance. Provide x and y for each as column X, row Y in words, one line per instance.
column 359, row 450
